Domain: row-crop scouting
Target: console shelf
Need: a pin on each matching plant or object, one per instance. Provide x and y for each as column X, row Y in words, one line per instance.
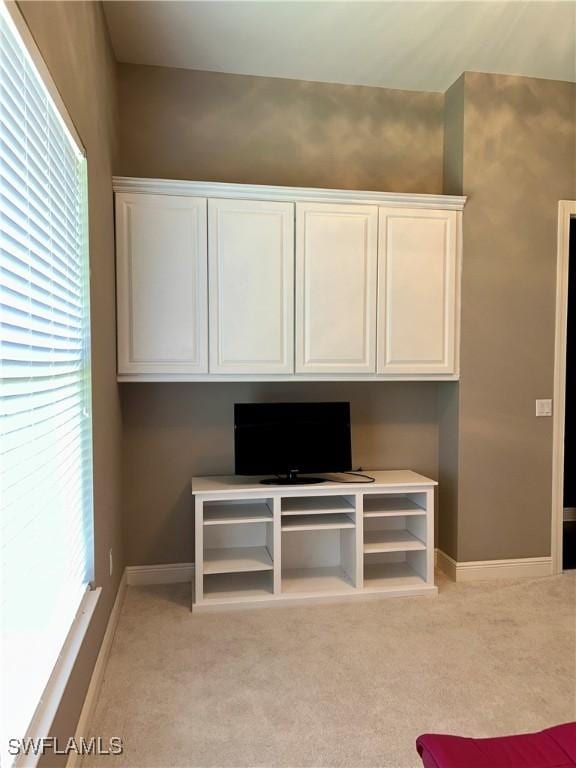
column 387, row 575
column 237, row 559
column 321, row 505
column 265, row 544
column 221, row 513
column 317, row 523
column 391, row 506
column 238, row 586
column 313, row 580
column 391, row 541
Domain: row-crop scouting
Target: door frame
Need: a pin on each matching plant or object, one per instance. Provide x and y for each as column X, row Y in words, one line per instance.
column 566, row 211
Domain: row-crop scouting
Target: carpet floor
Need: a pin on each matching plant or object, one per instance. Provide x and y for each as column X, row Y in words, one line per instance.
column 349, row 684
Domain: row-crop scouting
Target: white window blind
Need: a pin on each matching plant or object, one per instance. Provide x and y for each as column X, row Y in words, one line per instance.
column 46, row 520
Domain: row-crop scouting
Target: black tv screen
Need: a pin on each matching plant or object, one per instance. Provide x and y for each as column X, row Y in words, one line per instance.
column 290, row 438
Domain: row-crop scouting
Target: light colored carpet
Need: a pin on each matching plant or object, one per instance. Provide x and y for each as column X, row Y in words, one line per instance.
column 335, row 685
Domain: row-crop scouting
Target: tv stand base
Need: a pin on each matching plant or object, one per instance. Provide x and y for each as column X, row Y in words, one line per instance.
column 273, row 541
column 292, row 480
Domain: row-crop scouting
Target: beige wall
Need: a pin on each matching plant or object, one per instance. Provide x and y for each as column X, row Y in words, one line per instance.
column 453, row 144
column 518, row 160
column 175, row 431
column 448, row 392
column 74, row 43
column 200, row 125
column 508, row 143
column 182, row 124
column 448, row 468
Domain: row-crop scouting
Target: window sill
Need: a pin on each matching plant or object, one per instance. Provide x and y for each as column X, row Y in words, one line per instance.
column 46, row 710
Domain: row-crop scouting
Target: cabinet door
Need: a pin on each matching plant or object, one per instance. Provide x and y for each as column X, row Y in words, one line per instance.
column 417, row 291
column 336, row 255
column 251, row 266
column 161, row 257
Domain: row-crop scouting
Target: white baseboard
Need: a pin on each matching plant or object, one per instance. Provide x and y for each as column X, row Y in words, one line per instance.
column 482, row 570
column 82, row 729
column 529, row 567
column 171, row 573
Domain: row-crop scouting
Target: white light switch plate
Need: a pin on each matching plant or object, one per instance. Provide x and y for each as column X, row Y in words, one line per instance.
column 543, row 407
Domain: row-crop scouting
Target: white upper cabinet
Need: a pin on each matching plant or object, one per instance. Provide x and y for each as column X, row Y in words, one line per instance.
column 161, row 284
column 336, row 268
column 417, row 291
column 251, row 277
column 231, row 282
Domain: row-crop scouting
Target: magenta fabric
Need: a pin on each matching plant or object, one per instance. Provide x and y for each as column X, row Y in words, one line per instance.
column 552, row 748
column 565, row 736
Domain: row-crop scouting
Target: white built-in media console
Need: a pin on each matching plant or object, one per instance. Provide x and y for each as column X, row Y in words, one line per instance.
column 277, row 544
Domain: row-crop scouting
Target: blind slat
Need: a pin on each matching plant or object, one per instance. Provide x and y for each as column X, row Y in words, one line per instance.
column 13, row 301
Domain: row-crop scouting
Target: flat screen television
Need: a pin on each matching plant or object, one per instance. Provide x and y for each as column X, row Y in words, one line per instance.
column 292, row 439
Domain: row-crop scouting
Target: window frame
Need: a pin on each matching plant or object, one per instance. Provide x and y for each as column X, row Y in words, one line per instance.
column 46, row 709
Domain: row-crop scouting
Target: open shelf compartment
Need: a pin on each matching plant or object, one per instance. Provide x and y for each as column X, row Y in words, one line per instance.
column 324, row 579
column 238, row 586
column 391, row 541
column 240, row 545
column 237, row 559
column 318, row 561
column 395, row 570
column 249, row 511
column 393, row 504
column 399, row 533
column 317, row 522
column 318, row 505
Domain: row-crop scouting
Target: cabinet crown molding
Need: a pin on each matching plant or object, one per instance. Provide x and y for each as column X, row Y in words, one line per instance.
column 286, row 194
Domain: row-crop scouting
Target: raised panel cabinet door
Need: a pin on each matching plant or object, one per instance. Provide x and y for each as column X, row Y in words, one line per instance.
column 417, row 291
column 336, row 284
column 162, row 280
column 251, row 279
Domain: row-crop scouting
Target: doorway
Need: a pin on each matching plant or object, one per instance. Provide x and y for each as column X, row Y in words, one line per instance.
column 569, row 499
column 563, row 547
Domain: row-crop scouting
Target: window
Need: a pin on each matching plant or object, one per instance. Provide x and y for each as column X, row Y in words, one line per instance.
column 46, row 523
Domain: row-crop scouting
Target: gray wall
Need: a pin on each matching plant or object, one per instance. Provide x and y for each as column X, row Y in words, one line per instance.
column 448, row 468
column 200, row 125
column 453, row 139
column 518, row 161
column 73, row 40
column 508, row 143
column 175, row 431
column 182, row 124
column 448, row 392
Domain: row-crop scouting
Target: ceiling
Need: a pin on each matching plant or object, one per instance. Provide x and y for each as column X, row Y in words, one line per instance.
column 394, row 44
